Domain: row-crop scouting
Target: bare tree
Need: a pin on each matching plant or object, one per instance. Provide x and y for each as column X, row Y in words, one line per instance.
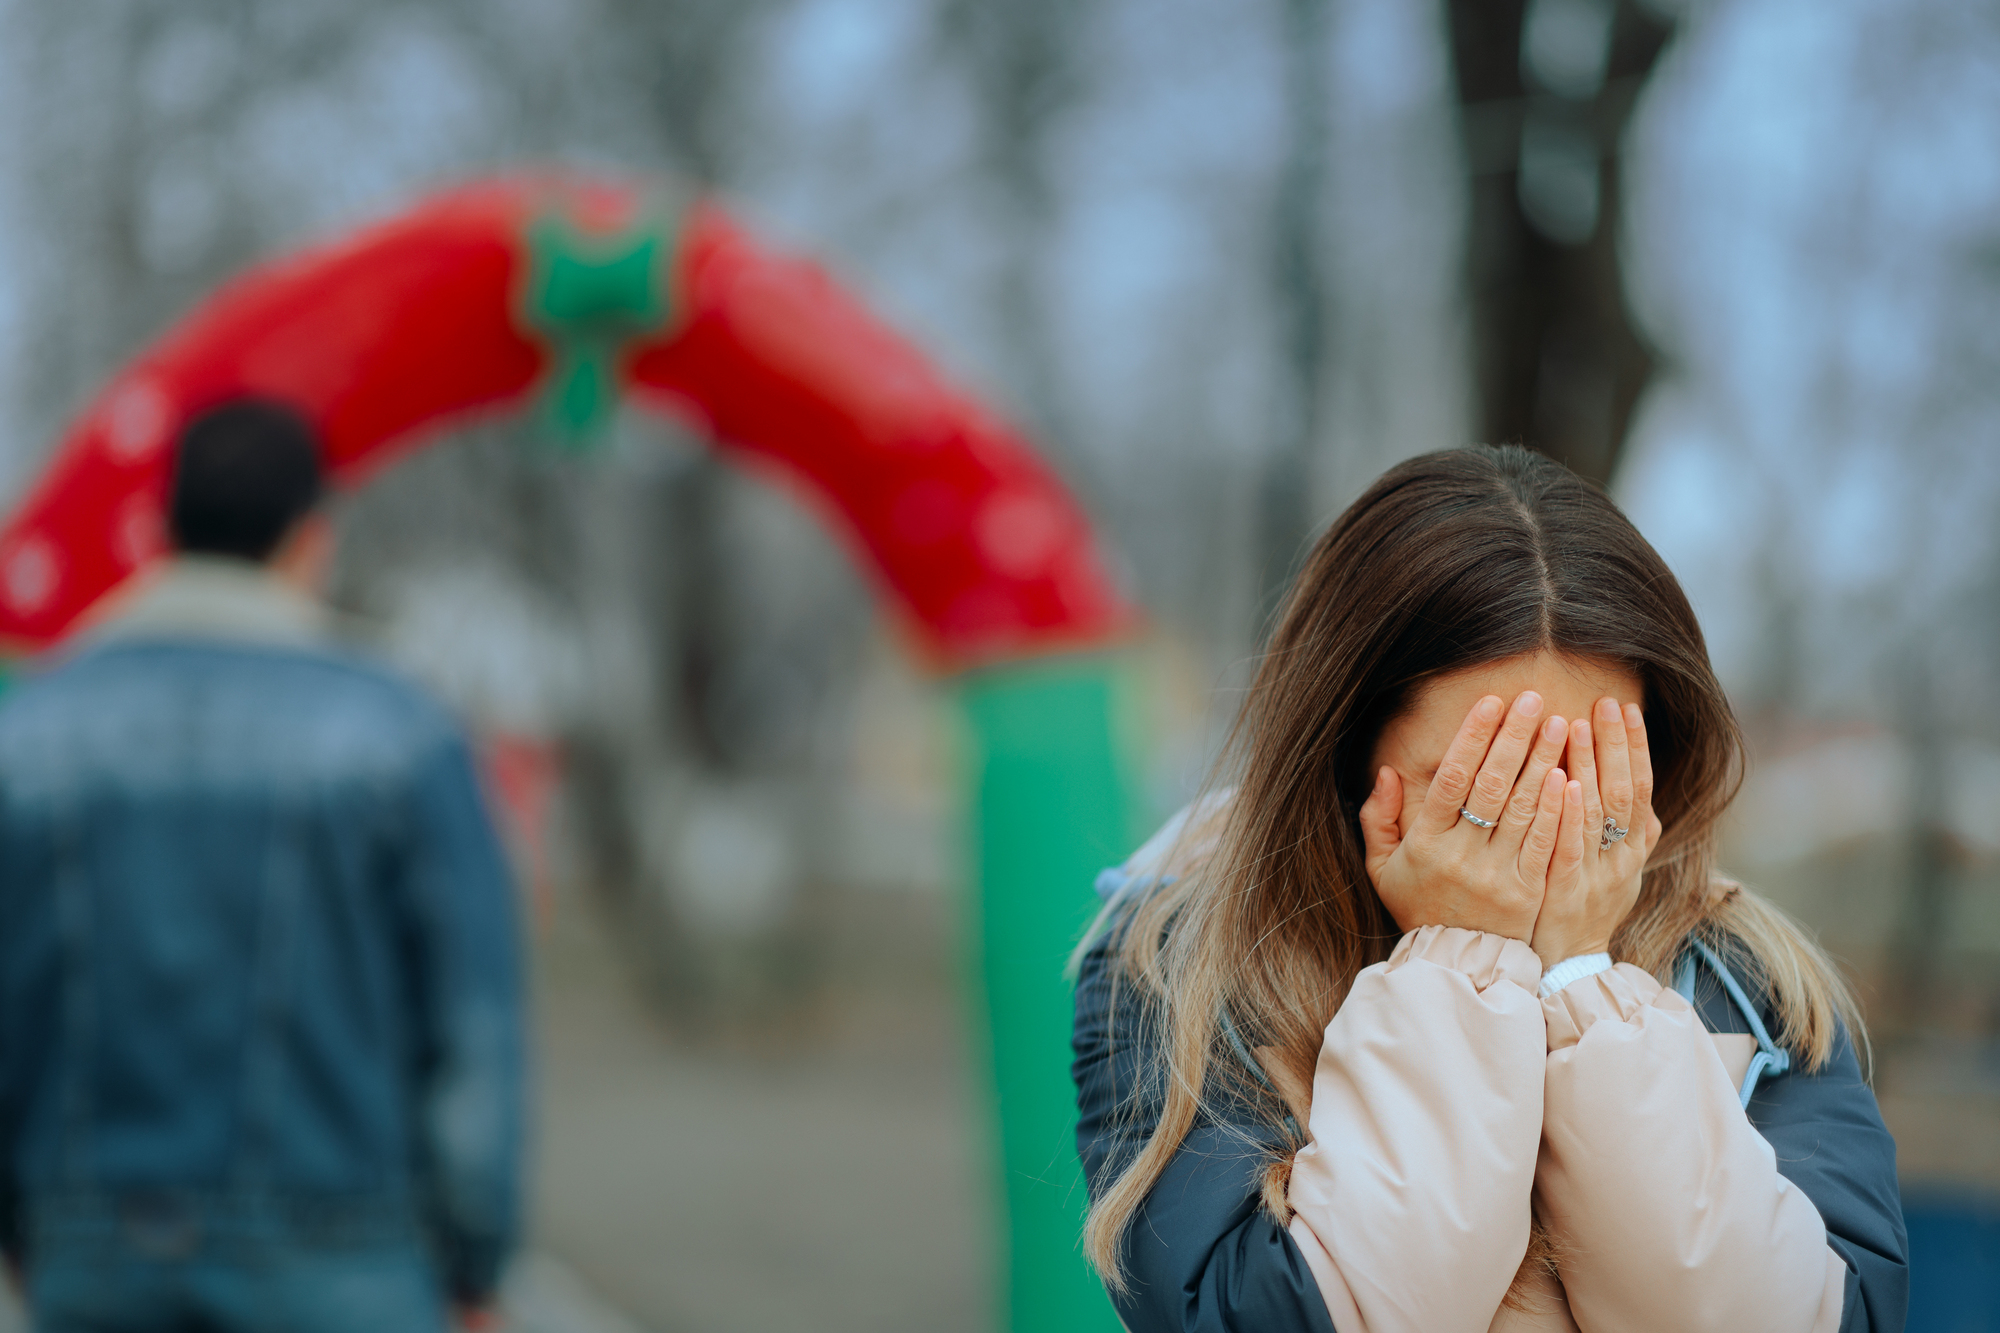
column 1546, row 87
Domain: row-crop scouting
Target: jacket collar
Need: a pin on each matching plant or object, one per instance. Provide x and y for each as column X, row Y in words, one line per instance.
column 212, row 597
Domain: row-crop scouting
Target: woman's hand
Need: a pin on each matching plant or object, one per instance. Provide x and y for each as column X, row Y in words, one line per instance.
column 1591, row 889
column 1445, row 870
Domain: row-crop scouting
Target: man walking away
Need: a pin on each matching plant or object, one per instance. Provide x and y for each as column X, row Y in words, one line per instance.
column 260, row 997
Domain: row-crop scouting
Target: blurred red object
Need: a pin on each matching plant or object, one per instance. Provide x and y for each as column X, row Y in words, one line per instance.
column 392, row 336
column 973, row 531
column 522, row 773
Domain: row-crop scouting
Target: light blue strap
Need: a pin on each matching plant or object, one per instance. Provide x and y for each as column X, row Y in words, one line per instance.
column 1770, row 1058
column 1250, row 1062
column 1684, row 977
column 1115, row 883
column 1113, row 887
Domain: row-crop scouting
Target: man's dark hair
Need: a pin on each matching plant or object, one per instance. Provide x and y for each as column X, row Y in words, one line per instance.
column 244, row 474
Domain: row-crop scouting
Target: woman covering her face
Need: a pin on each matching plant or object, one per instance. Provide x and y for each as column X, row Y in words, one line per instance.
column 1441, row 1019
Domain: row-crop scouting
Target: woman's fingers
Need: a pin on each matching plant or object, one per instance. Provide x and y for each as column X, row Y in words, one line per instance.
column 1452, row 783
column 1642, row 773
column 1502, row 765
column 1583, row 769
column 1538, row 846
column 1576, row 833
column 1527, row 794
column 1381, row 814
column 1614, row 764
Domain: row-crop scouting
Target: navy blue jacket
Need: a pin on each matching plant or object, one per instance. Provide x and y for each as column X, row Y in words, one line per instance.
column 259, row 976
column 1204, row 1257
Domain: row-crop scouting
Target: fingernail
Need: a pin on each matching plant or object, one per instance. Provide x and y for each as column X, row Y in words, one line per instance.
column 1608, row 711
column 1576, row 790
column 1489, row 708
column 1553, row 730
column 1381, row 781
column 1633, row 717
column 1529, row 703
column 1560, row 775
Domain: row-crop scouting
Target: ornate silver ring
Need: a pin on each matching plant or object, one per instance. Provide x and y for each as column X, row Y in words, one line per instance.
column 1612, row 833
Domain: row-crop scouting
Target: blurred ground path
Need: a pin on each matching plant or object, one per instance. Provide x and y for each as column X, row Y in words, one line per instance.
column 828, row 1181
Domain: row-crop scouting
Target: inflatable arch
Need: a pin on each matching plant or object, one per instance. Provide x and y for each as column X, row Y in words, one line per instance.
column 559, row 295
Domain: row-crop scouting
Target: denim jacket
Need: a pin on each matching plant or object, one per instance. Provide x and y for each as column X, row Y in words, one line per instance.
column 260, row 980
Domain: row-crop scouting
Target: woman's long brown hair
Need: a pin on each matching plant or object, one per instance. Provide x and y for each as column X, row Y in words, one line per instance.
column 1450, row 561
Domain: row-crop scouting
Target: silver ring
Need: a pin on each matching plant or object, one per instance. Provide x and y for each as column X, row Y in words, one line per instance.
column 1612, row 833
column 1475, row 820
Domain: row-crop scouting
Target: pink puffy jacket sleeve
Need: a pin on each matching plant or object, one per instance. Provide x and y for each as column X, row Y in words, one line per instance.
column 1411, row 1201
column 1665, row 1201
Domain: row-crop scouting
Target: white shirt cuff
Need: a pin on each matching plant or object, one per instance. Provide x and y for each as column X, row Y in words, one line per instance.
column 1573, row 969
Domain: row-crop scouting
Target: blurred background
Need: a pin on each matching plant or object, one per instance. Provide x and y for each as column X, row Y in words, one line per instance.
column 1739, row 260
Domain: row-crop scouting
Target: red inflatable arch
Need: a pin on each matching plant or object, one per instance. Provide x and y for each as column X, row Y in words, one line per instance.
column 509, row 292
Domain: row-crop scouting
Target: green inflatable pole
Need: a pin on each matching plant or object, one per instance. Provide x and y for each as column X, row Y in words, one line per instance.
column 1051, row 805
